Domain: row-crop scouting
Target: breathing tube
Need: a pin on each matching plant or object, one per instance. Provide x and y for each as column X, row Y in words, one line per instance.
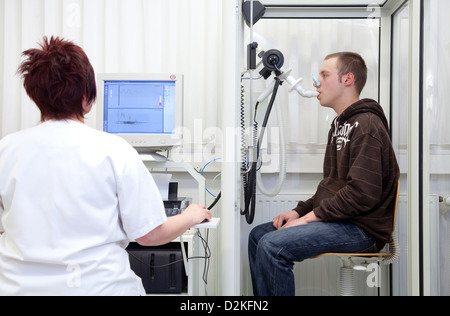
column 283, row 163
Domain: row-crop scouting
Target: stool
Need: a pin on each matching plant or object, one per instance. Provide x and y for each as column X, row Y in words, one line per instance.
column 348, row 266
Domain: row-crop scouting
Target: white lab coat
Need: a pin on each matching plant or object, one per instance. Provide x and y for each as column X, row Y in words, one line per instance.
column 71, row 198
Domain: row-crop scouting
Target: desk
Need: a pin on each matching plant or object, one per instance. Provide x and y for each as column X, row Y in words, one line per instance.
column 213, row 224
column 193, row 258
column 196, row 286
column 194, row 267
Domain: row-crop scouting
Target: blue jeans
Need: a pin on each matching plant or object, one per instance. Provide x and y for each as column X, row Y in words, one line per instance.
column 272, row 252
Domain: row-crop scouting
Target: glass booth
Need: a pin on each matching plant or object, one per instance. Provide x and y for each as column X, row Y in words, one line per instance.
column 405, row 44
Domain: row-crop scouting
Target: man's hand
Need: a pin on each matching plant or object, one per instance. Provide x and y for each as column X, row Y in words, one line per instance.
column 282, row 220
column 292, row 220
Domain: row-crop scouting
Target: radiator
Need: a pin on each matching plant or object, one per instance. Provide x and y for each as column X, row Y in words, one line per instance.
column 320, row 277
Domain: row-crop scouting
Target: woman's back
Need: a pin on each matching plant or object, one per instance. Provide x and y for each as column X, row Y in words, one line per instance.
column 60, row 187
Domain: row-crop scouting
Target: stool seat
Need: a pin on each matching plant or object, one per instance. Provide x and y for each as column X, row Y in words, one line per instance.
column 382, row 257
column 365, row 255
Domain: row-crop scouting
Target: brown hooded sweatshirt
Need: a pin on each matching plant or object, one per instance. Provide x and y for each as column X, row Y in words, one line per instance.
column 360, row 173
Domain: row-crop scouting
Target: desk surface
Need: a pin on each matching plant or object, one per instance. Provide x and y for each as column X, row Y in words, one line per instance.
column 210, row 225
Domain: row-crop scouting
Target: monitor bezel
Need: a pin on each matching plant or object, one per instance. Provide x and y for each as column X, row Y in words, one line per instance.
column 145, row 142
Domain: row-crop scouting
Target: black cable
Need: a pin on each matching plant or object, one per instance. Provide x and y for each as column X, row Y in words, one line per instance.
column 215, row 201
column 250, row 190
column 207, row 254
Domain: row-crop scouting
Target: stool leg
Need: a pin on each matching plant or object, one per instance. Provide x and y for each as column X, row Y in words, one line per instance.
column 347, row 278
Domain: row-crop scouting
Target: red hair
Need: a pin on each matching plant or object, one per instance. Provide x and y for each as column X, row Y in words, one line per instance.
column 58, row 77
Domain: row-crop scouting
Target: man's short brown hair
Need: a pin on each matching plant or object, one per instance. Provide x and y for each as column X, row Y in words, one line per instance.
column 58, row 77
column 352, row 63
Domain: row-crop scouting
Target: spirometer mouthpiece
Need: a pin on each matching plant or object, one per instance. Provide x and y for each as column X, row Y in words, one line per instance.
column 295, row 85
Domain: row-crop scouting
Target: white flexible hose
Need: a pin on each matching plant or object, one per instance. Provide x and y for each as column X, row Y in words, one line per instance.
column 283, row 163
column 395, row 251
column 346, row 276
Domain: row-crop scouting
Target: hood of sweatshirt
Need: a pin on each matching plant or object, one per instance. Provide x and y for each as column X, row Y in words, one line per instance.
column 364, row 106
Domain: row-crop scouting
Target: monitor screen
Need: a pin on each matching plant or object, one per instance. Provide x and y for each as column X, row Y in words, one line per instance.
column 144, row 109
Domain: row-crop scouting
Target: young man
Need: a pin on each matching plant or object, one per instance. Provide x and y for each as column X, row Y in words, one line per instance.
column 353, row 208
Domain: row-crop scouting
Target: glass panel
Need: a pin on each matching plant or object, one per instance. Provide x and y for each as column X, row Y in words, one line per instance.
column 305, row 43
column 437, row 140
column 400, row 102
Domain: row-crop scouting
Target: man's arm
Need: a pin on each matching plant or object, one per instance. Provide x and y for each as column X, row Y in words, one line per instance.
column 304, row 207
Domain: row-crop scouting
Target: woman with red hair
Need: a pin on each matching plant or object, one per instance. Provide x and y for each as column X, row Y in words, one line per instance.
column 72, row 197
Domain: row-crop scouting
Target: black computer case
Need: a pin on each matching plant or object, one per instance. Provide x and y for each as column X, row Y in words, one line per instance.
column 160, row 268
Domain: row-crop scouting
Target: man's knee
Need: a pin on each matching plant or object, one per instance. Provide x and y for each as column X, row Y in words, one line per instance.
column 259, row 232
column 266, row 245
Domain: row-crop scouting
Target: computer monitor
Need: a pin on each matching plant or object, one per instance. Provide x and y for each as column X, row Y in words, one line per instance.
column 144, row 109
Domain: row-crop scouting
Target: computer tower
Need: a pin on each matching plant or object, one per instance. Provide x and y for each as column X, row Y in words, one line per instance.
column 160, row 268
column 176, row 206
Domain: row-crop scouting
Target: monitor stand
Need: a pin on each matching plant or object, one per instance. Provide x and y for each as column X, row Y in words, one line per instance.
column 152, row 156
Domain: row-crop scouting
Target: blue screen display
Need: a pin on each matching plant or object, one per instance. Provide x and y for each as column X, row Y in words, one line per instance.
column 139, row 107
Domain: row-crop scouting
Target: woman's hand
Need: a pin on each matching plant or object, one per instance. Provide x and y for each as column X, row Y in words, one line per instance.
column 197, row 214
column 176, row 226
